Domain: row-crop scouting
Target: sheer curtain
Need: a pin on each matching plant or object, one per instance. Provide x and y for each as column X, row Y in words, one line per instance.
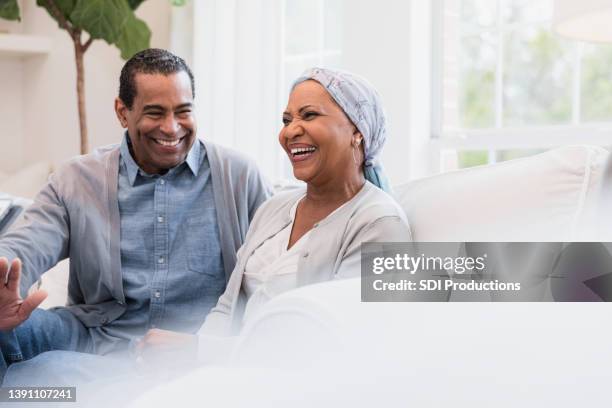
column 233, row 47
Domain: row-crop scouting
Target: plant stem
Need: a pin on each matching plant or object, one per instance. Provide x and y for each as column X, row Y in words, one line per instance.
column 79, row 51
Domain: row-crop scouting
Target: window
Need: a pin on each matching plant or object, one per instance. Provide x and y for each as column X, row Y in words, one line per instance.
column 312, row 36
column 510, row 87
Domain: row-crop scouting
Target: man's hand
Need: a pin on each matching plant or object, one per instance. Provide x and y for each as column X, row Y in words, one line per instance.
column 164, row 346
column 13, row 309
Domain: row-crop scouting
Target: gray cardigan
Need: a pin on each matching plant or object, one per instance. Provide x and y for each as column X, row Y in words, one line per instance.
column 333, row 248
column 76, row 215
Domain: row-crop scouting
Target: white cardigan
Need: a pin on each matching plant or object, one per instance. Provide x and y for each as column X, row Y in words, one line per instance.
column 332, row 250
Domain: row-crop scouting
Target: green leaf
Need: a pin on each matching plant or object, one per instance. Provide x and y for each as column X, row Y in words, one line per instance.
column 135, row 37
column 9, row 10
column 64, row 6
column 105, row 19
column 135, row 3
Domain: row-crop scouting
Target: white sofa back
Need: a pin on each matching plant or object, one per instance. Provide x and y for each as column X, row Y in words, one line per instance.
column 546, row 197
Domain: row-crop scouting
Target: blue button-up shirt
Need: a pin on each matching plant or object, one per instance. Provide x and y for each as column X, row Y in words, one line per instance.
column 171, row 258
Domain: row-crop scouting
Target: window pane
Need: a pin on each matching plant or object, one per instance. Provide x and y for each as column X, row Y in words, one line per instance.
column 301, row 26
column 537, row 78
column 477, row 81
column 478, row 13
column 527, row 11
column 504, row 155
column 471, row 158
column 597, row 83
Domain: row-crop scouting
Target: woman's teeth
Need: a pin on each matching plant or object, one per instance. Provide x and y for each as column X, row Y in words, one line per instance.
column 168, row 142
column 302, row 150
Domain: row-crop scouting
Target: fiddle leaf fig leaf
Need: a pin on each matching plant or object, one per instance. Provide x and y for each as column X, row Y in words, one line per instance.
column 105, row 19
column 135, row 3
column 9, row 10
column 64, row 6
column 135, row 37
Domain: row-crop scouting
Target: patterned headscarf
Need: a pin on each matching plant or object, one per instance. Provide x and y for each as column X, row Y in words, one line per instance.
column 361, row 103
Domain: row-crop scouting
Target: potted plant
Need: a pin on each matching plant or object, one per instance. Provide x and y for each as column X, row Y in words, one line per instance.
column 85, row 21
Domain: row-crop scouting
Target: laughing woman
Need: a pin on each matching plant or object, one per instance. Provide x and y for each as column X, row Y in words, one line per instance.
column 333, row 131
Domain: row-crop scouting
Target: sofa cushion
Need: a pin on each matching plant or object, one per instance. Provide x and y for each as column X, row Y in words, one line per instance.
column 545, row 197
column 27, row 182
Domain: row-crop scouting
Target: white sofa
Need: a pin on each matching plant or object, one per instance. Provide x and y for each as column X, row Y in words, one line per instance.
column 548, row 197
column 323, row 343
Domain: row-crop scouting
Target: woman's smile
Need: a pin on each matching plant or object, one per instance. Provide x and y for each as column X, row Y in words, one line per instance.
column 299, row 152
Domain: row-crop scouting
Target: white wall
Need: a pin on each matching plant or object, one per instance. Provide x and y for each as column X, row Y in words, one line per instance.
column 388, row 42
column 38, row 118
column 11, row 102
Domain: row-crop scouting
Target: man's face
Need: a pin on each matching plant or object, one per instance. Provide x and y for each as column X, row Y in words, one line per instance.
column 160, row 124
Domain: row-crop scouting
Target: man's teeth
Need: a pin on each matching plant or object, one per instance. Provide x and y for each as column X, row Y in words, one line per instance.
column 168, row 142
column 298, row 150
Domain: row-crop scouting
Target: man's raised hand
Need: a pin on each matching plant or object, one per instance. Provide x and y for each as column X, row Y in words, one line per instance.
column 13, row 309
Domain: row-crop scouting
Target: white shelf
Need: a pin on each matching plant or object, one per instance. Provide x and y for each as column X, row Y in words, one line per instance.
column 22, row 45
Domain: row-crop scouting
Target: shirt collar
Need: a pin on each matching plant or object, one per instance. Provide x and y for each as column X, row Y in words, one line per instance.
column 193, row 160
column 130, row 165
column 195, row 156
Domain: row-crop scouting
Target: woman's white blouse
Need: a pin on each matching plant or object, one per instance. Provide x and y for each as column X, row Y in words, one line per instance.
column 272, row 269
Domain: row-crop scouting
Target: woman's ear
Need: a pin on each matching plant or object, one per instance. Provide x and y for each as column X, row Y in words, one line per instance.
column 357, row 138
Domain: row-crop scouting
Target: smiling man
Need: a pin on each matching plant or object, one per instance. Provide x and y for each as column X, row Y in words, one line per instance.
column 151, row 226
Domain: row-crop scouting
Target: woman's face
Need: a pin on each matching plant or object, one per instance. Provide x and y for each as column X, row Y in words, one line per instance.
column 317, row 136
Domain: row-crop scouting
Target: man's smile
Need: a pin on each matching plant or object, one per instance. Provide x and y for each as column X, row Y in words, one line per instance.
column 169, row 143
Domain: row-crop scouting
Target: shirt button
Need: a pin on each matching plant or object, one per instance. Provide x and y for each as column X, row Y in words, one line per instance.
column 162, row 182
column 160, row 219
column 157, row 294
column 104, row 320
column 160, row 260
column 120, row 303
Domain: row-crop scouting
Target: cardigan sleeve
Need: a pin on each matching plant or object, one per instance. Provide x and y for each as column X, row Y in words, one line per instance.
column 40, row 236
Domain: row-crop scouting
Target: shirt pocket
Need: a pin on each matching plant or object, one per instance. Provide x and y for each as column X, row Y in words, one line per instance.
column 203, row 247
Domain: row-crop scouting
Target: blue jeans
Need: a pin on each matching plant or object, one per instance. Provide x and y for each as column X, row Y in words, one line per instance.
column 45, row 330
